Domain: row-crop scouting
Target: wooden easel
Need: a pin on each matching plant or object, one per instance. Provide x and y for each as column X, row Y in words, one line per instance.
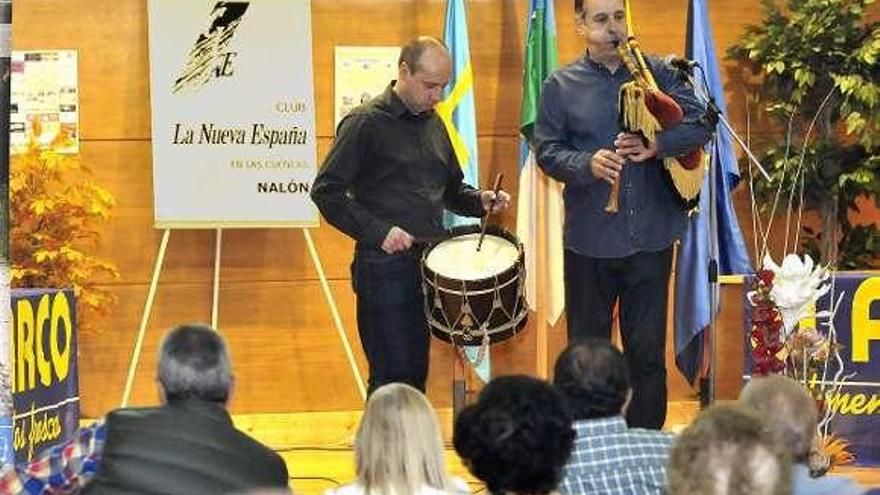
column 151, row 296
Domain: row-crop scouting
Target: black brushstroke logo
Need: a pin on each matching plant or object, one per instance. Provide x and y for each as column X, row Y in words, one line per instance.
column 210, row 59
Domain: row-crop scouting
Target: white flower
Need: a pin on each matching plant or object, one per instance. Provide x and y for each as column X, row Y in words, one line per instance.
column 797, row 285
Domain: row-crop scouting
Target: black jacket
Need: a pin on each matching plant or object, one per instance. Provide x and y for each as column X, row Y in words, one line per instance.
column 184, row 447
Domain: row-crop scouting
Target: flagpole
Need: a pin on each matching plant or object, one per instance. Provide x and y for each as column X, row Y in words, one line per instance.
column 707, row 396
column 701, row 260
column 536, row 200
column 707, row 382
column 541, row 326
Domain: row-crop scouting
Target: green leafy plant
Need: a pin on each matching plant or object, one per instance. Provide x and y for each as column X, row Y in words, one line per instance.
column 816, row 62
column 55, row 207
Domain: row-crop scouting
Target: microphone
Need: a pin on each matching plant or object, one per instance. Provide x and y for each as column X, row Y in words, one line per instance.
column 682, row 64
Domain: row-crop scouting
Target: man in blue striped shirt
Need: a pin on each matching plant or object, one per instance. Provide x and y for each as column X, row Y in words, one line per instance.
column 608, row 457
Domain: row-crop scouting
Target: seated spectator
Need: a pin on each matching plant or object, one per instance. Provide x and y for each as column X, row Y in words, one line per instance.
column 517, row 437
column 726, row 451
column 398, row 447
column 790, row 415
column 608, row 457
column 188, row 445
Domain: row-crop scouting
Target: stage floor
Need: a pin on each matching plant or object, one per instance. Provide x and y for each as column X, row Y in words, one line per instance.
column 317, row 446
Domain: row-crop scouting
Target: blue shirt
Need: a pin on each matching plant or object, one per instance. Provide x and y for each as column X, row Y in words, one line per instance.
column 609, row 458
column 804, row 484
column 579, row 116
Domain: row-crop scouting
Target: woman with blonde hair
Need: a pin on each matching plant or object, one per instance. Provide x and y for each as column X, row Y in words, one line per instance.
column 399, row 448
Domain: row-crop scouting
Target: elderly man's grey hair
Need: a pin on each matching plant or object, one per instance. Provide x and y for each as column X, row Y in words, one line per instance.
column 727, row 451
column 788, row 411
column 194, row 364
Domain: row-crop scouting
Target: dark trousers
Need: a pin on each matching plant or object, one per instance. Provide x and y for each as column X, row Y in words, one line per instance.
column 391, row 317
column 641, row 284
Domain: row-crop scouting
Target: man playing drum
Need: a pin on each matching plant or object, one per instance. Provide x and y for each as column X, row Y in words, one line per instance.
column 384, row 183
column 624, row 256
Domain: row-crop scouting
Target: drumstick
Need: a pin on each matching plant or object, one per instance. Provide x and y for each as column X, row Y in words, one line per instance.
column 431, row 240
column 495, row 188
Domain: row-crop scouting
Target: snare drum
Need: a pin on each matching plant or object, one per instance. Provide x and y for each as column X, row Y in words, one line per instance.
column 471, row 295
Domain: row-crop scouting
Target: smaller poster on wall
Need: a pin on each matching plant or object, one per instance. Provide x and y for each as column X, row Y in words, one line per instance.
column 362, row 72
column 44, row 101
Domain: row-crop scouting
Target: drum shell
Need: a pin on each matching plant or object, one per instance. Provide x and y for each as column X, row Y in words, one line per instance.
column 446, row 299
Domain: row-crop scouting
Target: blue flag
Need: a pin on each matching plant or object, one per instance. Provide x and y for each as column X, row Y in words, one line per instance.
column 459, row 115
column 705, row 236
column 457, row 108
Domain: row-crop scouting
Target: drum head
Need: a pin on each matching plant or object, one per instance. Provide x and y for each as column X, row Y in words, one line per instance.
column 459, row 259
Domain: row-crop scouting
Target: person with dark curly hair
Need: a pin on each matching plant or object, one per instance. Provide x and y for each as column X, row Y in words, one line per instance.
column 517, row 437
column 608, row 457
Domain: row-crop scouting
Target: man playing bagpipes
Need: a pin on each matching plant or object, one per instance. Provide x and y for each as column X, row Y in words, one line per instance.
column 620, row 253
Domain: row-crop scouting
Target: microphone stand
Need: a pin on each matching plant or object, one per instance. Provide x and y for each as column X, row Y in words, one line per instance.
column 713, row 117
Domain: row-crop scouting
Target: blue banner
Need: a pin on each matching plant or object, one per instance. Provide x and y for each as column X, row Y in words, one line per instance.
column 856, row 406
column 45, row 382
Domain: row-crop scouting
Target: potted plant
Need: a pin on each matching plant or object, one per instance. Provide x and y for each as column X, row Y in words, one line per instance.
column 816, row 63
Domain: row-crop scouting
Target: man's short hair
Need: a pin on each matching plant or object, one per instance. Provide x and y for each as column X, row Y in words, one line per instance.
column 517, row 437
column 593, row 376
column 579, row 7
column 194, row 364
column 788, row 411
column 726, row 451
column 411, row 53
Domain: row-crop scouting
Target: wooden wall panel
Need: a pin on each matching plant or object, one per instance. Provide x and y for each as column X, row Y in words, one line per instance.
column 285, row 350
column 287, row 354
column 111, row 37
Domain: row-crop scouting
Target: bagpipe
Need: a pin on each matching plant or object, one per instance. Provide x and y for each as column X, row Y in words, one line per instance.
column 646, row 110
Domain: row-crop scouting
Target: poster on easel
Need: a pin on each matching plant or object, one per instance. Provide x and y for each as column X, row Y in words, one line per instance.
column 44, row 100
column 233, row 113
column 361, row 73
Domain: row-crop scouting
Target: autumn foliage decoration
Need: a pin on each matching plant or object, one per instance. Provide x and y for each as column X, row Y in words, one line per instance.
column 55, row 208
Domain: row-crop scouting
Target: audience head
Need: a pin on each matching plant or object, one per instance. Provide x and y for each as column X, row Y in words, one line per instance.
column 726, row 451
column 593, row 376
column 398, row 445
column 194, row 364
column 517, row 437
column 787, row 409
